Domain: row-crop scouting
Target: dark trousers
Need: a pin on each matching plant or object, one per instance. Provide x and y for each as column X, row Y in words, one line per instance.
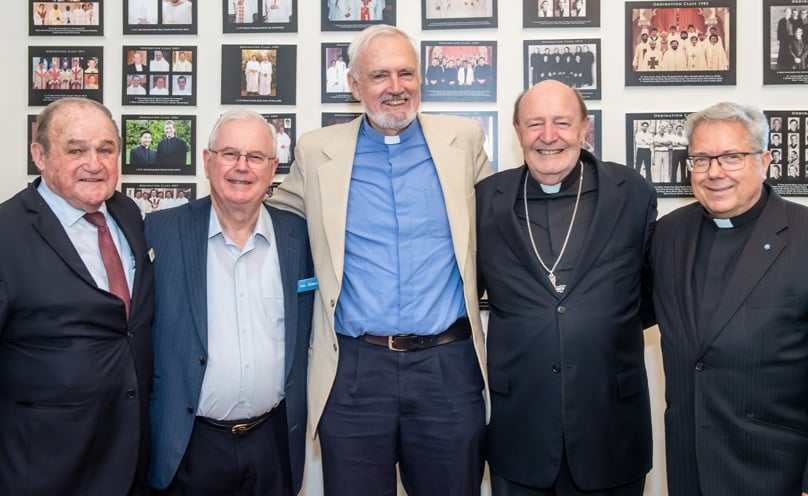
column 643, row 157
column 421, row 409
column 679, row 163
column 564, row 486
column 217, row 463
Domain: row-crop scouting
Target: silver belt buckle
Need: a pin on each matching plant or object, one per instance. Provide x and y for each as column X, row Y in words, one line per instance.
column 390, row 345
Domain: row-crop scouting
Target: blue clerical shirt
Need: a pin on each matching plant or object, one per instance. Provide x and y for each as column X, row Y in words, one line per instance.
column 400, row 275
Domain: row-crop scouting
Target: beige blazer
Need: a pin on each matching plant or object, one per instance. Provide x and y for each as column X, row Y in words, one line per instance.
column 317, row 188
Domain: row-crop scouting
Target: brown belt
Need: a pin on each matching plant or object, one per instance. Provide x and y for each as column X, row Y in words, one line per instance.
column 458, row 331
column 240, row 428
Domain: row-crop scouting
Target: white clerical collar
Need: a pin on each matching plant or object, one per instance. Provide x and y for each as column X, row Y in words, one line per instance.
column 392, row 140
column 550, row 189
column 723, row 223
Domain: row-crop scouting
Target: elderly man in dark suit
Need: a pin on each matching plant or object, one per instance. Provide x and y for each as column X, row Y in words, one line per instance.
column 76, row 310
column 561, row 244
column 731, row 298
column 234, row 293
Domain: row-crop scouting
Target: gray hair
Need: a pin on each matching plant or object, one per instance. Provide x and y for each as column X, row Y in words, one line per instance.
column 45, row 118
column 753, row 120
column 239, row 114
column 363, row 39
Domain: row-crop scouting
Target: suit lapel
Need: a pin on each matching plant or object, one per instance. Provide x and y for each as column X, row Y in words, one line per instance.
column 193, row 237
column 334, row 177
column 512, row 234
column 287, row 240
column 53, row 233
column 762, row 249
column 451, row 172
column 608, row 211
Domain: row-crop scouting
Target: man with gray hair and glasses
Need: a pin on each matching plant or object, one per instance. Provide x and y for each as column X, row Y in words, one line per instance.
column 731, row 300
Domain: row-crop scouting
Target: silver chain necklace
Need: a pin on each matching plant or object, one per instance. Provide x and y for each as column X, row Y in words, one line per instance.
column 551, row 270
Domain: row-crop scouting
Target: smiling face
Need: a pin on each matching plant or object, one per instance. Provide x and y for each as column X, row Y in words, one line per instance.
column 387, row 83
column 551, row 130
column 81, row 165
column 240, row 185
column 725, row 194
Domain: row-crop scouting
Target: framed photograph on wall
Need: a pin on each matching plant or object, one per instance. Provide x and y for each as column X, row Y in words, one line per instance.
column 31, row 129
column 788, row 145
column 459, row 71
column 448, row 14
column 159, row 75
column 259, row 16
column 656, row 147
column 159, row 144
column 356, row 15
column 65, row 18
column 152, row 197
column 285, row 139
column 592, row 140
column 674, row 44
column 57, row 72
column 785, row 42
column 574, row 62
column 331, row 118
column 160, row 16
column 488, row 122
column 259, row 74
column 560, row 13
column 334, row 74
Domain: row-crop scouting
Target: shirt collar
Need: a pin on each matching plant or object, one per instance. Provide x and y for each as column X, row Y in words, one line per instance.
column 263, row 227
column 67, row 214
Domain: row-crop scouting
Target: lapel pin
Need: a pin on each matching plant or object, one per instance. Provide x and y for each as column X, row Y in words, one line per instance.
column 151, row 254
column 767, row 247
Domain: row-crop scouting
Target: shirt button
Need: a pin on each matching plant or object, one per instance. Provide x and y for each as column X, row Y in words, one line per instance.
column 556, row 368
column 561, row 309
column 699, row 366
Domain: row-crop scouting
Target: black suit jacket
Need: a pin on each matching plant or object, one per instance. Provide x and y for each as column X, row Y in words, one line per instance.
column 737, row 401
column 172, row 151
column 567, row 372
column 76, row 375
column 140, row 155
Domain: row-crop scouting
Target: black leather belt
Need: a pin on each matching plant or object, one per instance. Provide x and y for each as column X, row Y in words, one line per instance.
column 240, row 428
column 458, row 331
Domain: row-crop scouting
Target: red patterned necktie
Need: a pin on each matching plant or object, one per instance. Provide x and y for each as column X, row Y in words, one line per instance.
column 112, row 261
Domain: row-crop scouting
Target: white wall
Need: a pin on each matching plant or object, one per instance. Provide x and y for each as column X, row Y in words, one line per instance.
column 617, row 100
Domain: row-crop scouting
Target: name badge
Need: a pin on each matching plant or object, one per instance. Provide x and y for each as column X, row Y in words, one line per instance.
column 309, row 284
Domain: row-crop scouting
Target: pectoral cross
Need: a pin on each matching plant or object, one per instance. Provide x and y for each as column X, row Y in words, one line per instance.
column 559, row 288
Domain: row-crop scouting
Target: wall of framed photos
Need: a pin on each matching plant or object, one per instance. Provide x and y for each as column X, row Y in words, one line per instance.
column 621, row 99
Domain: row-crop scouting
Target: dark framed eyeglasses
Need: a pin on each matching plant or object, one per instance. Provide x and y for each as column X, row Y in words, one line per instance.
column 254, row 159
column 728, row 161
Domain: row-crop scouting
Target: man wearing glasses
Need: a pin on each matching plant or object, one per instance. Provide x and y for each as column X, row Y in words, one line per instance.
column 231, row 341
column 731, row 299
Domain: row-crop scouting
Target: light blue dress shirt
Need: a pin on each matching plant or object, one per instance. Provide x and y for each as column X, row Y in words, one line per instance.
column 400, row 275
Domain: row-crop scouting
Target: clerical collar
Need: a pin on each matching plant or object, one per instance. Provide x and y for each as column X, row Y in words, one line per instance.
column 571, row 181
column 745, row 218
column 368, row 131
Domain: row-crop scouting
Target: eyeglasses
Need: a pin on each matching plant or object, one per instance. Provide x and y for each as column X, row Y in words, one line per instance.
column 728, row 161
column 231, row 157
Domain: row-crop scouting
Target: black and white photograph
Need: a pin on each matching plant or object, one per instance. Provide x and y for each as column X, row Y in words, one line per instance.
column 31, row 128
column 356, row 15
column 285, row 139
column 331, row 118
column 151, row 197
column 593, row 138
column 453, row 14
column 574, row 62
column 788, row 145
column 459, row 71
column 160, row 16
column 159, row 144
column 560, row 13
column 334, row 80
column 258, row 74
column 159, row 75
column 656, row 147
column 675, row 44
column 57, row 72
column 259, row 16
column 66, row 18
column 785, row 42
column 488, row 122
